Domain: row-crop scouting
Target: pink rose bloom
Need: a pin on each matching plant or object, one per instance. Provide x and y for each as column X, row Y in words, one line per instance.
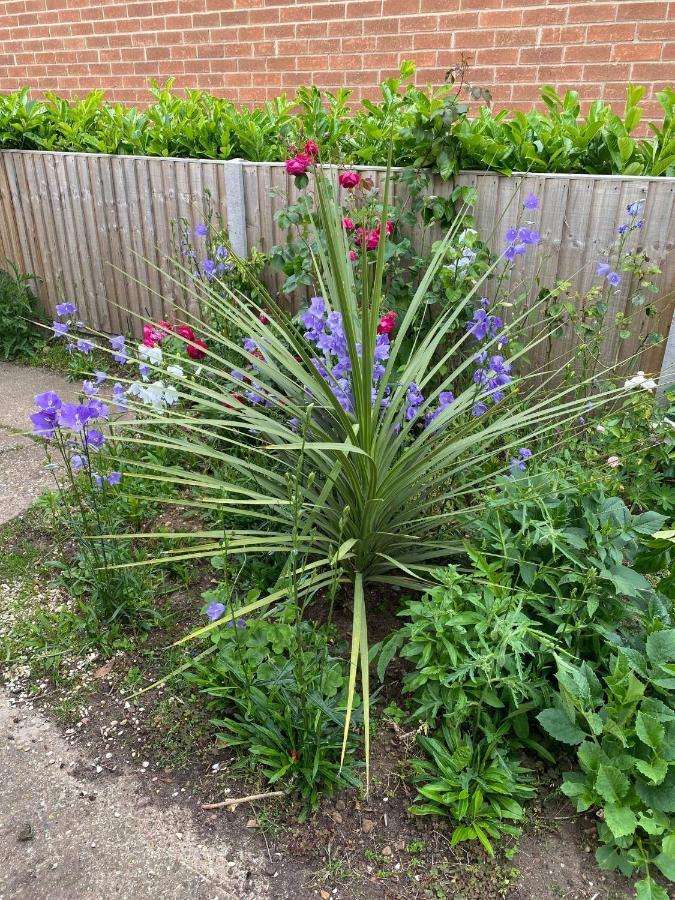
column 352, row 255
column 349, row 179
column 165, row 327
column 347, row 224
column 299, row 164
column 311, row 149
column 387, row 323
column 613, row 462
column 372, row 240
column 263, row 317
column 389, row 228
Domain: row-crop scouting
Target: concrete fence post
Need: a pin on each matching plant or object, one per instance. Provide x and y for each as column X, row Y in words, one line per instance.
column 235, row 201
column 667, row 376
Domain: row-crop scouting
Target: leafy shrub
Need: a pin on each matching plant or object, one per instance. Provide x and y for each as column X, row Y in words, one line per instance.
column 477, row 785
column 559, row 537
column 280, row 697
column 625, row 734
column 473, row 649
column 18, row 310
column 429, row 127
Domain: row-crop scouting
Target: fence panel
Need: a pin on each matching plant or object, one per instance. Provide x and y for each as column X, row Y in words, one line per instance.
column 78, row 222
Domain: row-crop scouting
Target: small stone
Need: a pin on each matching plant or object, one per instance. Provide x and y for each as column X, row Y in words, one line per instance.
column 367, row 825
column 336, row 817
column 386, row 851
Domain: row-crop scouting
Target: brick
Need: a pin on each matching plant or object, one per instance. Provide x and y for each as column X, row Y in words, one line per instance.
column 641, row 11
column 588, row 53
column 610, row 33
column 535, row 55
column 637, row 51
column 592, row 12
column 503, row 18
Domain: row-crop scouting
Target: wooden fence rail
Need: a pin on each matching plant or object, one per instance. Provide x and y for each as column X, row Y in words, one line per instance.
column 79, row 221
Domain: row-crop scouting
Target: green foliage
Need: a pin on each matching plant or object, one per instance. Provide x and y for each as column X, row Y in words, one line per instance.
column 475, row 784
column 625, row 733
column 280, row 698
column 473, row 649
column 18, row 311
column 558, row 536
column 429, row 127
column 641, row 435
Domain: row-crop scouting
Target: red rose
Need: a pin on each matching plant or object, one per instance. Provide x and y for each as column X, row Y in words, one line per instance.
column 372, row 240
column 293, row 755
column 165, row 326
column 299, row 164
column 347, row 224
column 311, row 149
column 186, row 332
column 263, row 317
column 387, row 323
column 389, row 228
column 196, row 352
column 349, row 179
column 352, row 255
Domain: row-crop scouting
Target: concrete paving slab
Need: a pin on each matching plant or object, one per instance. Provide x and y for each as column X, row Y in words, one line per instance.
column 65, row 838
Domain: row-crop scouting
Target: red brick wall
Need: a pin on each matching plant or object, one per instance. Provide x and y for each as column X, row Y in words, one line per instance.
column 252, row 49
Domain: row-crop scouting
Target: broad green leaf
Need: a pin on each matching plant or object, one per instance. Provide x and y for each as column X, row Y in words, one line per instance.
column 661, row 647
column 648, row 889
column 665, row 861
column 620, row 820
column 650, row 731
column 559, row 726
column 611, row 784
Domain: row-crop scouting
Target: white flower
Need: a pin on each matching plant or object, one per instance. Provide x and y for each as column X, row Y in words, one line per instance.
column 601, row 429
column 152, row 354
column 170, row 395
column 640, row 380
column 613, row 462
column 175, row 371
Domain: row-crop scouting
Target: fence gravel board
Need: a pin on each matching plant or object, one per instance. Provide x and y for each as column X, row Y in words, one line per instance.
column 75, row 220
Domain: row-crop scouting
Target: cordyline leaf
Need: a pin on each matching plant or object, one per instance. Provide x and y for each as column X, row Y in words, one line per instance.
column 372, row 481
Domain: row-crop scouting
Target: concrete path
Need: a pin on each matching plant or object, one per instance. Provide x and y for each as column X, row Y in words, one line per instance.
column 22, row 474
column 64, row 838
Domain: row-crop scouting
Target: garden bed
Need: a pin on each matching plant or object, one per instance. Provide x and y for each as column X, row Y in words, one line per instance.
column 352, row 847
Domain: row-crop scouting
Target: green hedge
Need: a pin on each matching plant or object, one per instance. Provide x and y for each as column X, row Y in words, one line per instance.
column 429, row 127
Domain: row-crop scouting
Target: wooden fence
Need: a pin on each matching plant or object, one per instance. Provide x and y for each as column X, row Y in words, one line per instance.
column 78, row 222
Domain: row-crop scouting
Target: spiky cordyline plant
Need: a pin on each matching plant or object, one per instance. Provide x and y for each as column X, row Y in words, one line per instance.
column 378, row 491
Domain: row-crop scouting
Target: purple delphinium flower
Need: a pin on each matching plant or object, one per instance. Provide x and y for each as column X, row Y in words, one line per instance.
column 144, row 371
column 44, row 423
column 208, row 266
column 75, row 415
column 84, row 346
column 634, row 208
column 121, row 357
column 201, row 230
column 214, row 611
column 614, row 279
column 94, row 439
column 478, row 409
column 531, row 202
column 100, row 376
column 98, row 481
column 114, row 478
column 521, row 462
column 414, row 399
column 97, row 408
column 249, row 344
column 65, row 309
column 237, row 623
column 77, row 462
column 603, row 269
column 60, row 329
column 49, row 401
column 118, row 342
column 89, row 388
column 119, row 397
column 639, row 223
column 622, row 229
